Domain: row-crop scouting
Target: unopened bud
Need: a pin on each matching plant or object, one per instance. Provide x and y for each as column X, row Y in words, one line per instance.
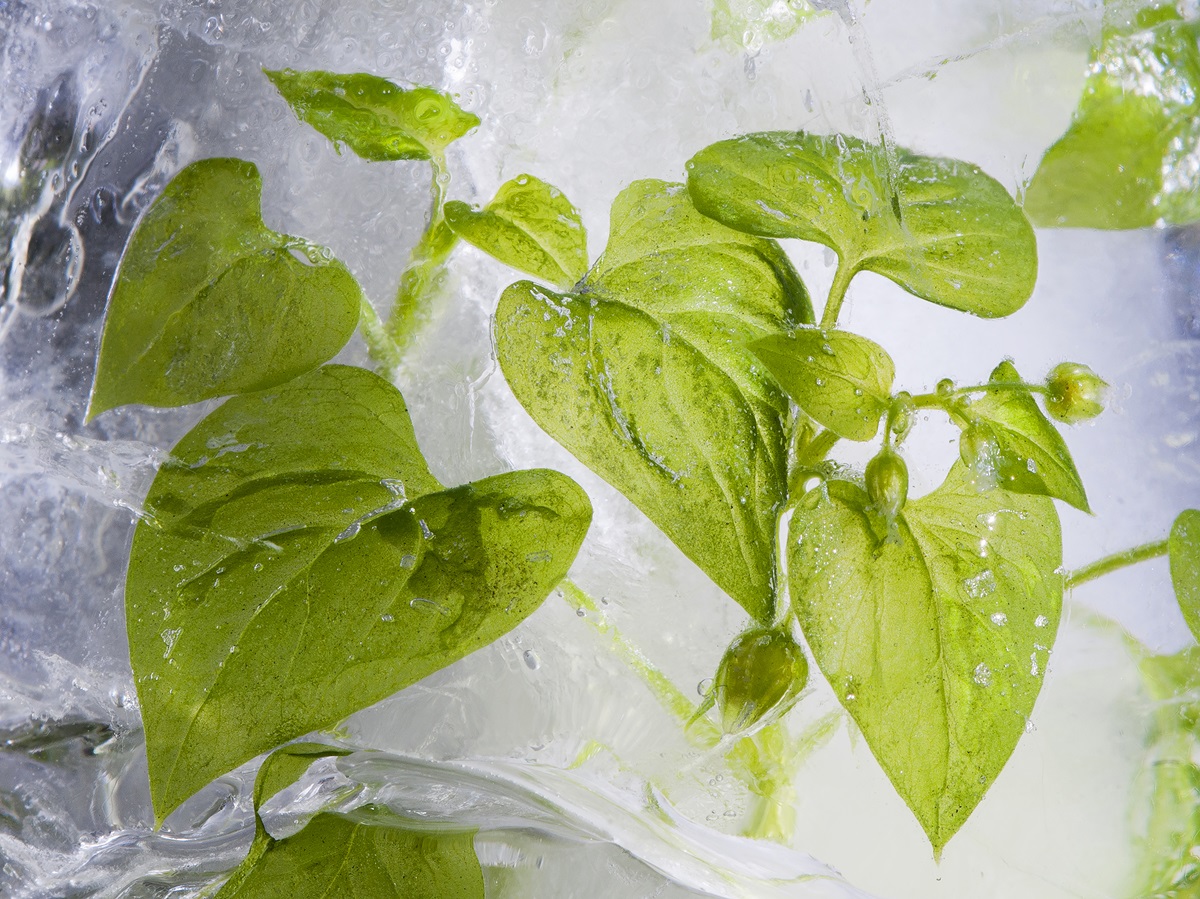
column 887, row 483
column 761, row 674
column 1075, row 393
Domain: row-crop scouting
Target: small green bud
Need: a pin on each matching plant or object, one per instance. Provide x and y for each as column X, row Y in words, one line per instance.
column 760, row 675
column 901, row 415
column 980, row 451
column 1076, row 393
column 887, row 483
column 945, row 388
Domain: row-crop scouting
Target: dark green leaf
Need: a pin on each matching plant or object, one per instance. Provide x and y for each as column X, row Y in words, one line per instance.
column 645, row 376
column 940, row 228
column 936, row 639
column 300, row 563
column 373, row 855
column 373, row 117
column 1128, row 158
column 529, row 225
column 1183, row 549
column 1030, row 455
column 841, row 380
column 209, row 301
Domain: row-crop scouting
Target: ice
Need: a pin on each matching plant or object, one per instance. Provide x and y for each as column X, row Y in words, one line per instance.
column 551, row 740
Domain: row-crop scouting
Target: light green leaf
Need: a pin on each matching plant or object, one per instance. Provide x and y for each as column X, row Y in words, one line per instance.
column 1128, row 158
column 299, row 563
column 644, row 375
column 1031, row 456
column 748, row 24
column 841, row 380
column 371, row 855
column 529, row 225
column 373, row 117
column 936, row 639
column 1183, row 552
column 209, row 301
column 940, row 228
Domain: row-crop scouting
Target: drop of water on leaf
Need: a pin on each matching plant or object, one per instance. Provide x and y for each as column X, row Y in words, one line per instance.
column 1041, row 621
column 983, row 675
column 999, row 619
column 704, row 687
column 539, row 556
column 421, row 604
column 387, row 618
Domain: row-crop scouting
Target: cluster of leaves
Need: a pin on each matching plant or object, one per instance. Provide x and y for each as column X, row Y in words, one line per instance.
column 911, row 611
column 297, row 560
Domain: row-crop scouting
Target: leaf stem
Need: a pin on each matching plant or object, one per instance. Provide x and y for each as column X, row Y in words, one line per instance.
column 937, row 400
column 837, row 294
column 818, row 448
column 425, row 266
column 383, row 351
column 1115, row 562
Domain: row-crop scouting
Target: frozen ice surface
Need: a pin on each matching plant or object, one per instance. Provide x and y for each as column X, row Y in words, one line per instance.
column 104, row 102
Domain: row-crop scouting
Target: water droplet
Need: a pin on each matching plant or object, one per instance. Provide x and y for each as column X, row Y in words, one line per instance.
column 999, row 619
column 179, row 568
column 539, row 556
column 386, row 618
column 1041, row 621
column 704, row 687
column 421, row 604
column 983, row 675
column 531, row 660
column 983, row 584
column 408, row 561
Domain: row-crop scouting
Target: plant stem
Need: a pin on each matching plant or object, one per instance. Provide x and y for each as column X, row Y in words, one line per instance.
column 837, row 294
column 817, row 449
column 382, row 349
column 940, row 401
column 425, row 267
column 1115, row 562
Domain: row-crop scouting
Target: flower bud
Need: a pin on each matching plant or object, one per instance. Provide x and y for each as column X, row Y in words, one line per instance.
column 761, row 674
column 887, row 483
column 1075, row 393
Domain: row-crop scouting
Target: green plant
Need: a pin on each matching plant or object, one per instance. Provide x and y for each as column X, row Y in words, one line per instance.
column 297, row 560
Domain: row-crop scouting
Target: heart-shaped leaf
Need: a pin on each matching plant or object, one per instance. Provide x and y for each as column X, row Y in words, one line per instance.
column 298, row 563
column 644, row 375
column 940, row 228
column 841, row 380
column 529, row 225
column 209, row 301
column 1127, row 159
column 1030, row 455
column 372, row 854
column 935, row 639
column 1183, row 552
column 376, row 119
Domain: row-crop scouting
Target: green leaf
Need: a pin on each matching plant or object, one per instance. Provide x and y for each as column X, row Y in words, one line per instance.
column 285, row 765
column 644, row 375
column 936, row 639
column 299, row 563
column 373, row 117
column 529, row 225
column 940, row 228
column 1031, row 456
column 1183, row 552
column 1127, row 159
column 209, row 301
column 372, row 855
column 748, row 24
column 841, row 380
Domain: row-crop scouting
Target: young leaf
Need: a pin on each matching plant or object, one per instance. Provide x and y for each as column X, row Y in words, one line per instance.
column 298, row 562
column 209, row 301
column 373, row 117
column 940, row 228
column 643, row 374
column 935, row 640
column 1030, row 455
column 841, row 380
column 1126, row 161
column 529, row 225
column 1183, row 552
column 371, row 855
